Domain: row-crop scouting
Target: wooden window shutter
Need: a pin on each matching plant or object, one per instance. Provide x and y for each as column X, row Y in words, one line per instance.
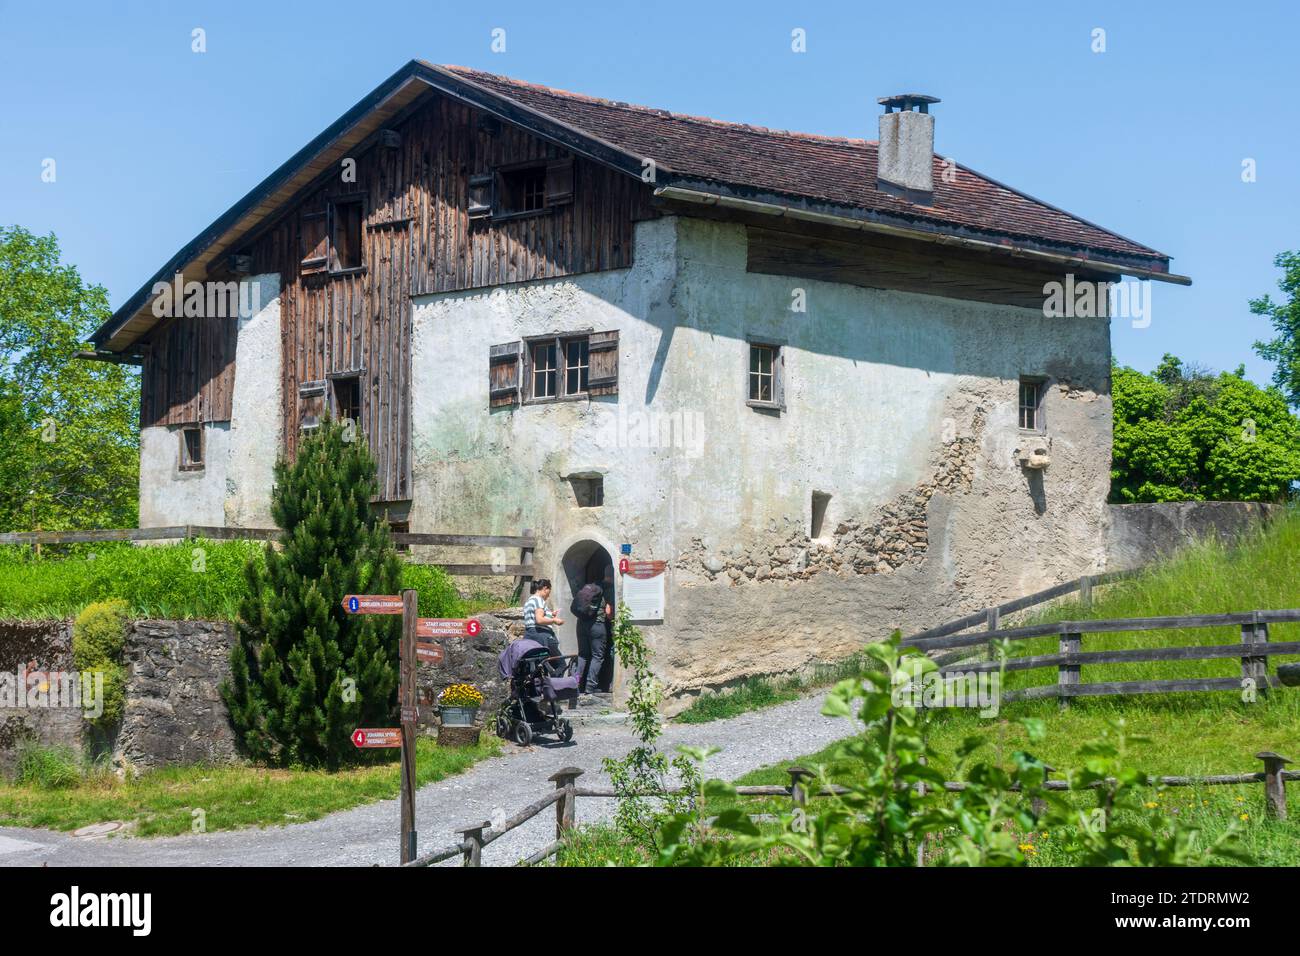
column 559, row 182
column 311, row 404
column 503, row 374
column 482, row 189
column 602, row 353
column 314, row 233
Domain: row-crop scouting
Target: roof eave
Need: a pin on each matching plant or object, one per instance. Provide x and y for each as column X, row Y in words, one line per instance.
column 871, row 221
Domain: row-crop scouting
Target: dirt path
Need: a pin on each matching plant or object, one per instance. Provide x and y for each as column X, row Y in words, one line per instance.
column 495, row 788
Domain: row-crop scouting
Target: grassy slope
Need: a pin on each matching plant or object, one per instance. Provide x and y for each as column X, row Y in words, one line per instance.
column 165, row 581
column 1190, row 734
column 159, row 802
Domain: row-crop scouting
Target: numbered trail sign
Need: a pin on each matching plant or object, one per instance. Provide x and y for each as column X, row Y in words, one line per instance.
column 427, row 627
column 429, row 653
column 366, row 738
column 372, row 604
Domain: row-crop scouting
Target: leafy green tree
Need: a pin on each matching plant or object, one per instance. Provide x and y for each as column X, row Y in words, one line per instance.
column 305, row 673
column 1284, row 348
column 70, row 455
column 1184, row 434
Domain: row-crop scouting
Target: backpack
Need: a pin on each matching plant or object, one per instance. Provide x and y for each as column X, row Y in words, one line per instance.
column 586, row 603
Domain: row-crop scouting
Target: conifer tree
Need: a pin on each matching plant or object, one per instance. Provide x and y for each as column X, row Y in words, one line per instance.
column 305, row 673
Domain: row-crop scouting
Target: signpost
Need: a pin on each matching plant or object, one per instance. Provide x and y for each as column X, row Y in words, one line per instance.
column 428, row 653
column 366, row 738
column 431, row 627
column 404, row 736
column 372, row 604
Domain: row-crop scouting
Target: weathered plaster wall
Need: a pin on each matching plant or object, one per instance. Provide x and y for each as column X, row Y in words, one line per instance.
column 234, row 486
column 28, row 647
column 169, row 496
column 256, row 418
column 902, row 407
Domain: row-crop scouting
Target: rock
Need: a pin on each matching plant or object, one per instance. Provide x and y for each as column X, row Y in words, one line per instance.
column 714, row 564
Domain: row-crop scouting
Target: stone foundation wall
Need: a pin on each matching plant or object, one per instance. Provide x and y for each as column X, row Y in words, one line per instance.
column 27, row 647
column 174, row 712
column 1142, row 533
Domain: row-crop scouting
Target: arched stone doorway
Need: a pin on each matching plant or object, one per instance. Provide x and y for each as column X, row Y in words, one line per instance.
column 583, row 561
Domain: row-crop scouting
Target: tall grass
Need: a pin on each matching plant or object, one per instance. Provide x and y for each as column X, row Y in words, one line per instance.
column 196, row 579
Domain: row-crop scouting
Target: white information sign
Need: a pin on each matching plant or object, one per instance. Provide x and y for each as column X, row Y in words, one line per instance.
column 643, row 593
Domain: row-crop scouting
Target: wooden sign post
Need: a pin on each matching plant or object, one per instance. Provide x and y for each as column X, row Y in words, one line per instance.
column 406, row 697
column 408, row 606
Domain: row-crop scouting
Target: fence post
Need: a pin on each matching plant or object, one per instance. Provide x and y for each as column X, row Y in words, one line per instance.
column 472, row 843
column 566, row 808
column 1274, row 784
column 1255, row 668
column 993, row 619
column 1067, row 675
column 1085, row 591
column 798, row 792
column 1038, row 806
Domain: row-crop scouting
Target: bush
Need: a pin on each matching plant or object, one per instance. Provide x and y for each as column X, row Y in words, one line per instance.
column 98, row 635
column 48, row 768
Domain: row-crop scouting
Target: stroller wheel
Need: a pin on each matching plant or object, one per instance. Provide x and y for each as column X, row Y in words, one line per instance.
column 523, row 734
column 566, row 731
column 503, row 726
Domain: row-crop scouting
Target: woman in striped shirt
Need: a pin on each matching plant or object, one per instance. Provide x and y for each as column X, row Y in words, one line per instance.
column 540, row 620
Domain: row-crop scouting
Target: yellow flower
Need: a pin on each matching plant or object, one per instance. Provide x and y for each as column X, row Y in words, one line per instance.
column 1028, row 848
column 1244, row 816
column 1151, row 804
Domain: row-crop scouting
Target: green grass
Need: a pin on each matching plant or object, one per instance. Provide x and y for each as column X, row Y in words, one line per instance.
column 161, row 802
column 165, row 581
column 1190, row 734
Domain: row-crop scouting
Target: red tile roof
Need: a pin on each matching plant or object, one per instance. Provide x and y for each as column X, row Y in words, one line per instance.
column 825, row 169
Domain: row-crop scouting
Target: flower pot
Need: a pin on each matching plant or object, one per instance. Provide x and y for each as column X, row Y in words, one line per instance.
column 459, row 716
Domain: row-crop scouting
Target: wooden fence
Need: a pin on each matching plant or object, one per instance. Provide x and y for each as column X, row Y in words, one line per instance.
column 1254, row 651
column 521, row 568
column 474, row 837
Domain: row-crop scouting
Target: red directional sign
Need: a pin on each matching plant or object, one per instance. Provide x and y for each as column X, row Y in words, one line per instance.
column 370, row 737
column 372, row 604
column 427, row 627
column 428, row 653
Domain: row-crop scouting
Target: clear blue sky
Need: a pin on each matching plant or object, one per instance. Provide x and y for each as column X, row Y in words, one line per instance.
column 153, row 141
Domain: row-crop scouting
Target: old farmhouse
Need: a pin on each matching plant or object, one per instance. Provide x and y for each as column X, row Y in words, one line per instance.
column 813, row 376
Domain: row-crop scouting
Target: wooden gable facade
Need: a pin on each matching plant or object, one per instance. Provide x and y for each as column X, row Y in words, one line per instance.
column 429, row 210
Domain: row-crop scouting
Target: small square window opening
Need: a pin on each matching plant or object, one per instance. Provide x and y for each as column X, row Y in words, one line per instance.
column 1031, row 404
column 761, row 373
column 347, row 399
column 191, row 448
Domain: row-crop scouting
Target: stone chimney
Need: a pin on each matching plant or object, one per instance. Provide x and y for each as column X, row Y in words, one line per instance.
column 904, row 162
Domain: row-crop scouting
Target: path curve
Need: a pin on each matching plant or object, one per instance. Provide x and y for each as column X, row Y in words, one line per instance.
column 496, row 787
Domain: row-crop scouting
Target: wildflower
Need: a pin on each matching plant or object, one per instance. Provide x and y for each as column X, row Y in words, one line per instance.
column 1244, row 816
column 1151, row 804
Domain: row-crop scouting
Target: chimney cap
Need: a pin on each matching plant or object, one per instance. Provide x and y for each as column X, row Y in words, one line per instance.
column 905, row 101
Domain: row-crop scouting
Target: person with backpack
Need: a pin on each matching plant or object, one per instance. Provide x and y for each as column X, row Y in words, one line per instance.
column 593, row 612
column 539, row 619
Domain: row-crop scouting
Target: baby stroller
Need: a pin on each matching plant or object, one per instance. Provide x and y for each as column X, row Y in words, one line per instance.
column 538, row 682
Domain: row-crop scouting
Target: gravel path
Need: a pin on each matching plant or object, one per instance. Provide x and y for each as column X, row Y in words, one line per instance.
column 495, row 788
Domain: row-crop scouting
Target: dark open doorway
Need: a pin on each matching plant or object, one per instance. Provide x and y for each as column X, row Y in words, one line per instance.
column 582, row 562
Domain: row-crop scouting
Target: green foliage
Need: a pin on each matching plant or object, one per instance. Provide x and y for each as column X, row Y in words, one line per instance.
column 196, row 579
column 1284, row 348
column 641, row 778
column 69, row 456
column 895, row 812
column 47, row 768
column 98, row 635
column 305, row 673
column 1185, row 435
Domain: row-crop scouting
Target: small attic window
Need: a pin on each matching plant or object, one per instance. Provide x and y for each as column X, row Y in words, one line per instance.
column 521, row 189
